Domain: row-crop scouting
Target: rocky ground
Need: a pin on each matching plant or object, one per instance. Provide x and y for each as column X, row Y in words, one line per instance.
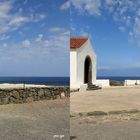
column 125, row 126
column 41, row 120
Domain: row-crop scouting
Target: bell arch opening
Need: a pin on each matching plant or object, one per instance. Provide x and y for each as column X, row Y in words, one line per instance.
column 88, row 70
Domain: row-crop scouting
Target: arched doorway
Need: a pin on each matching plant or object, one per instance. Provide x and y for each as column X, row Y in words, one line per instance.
column 88, row 70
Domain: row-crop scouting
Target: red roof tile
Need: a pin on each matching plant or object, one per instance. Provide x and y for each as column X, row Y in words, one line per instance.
column 77, row 42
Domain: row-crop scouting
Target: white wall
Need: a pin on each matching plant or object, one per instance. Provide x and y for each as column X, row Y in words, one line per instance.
column 77, row 60
column 103, row 83
column 131, row 82
column 82, row 53
column 73, row 67
column 138, row 82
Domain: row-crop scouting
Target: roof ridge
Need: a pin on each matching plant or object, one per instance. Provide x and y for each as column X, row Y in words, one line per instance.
column 80, row 37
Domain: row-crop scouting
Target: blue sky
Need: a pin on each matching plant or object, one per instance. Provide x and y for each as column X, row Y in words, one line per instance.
column 34, row 35
column 114, row 29
column 34, row 38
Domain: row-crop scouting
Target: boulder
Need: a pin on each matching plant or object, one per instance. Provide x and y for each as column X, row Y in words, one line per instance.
column 14, row 94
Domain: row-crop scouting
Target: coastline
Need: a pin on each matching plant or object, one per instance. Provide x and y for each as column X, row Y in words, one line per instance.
column 8, row 85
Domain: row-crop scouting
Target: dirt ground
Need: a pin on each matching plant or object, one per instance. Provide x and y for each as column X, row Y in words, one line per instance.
column 41, row 120
column 107, row 99
column 114, row 127
column 106, row 114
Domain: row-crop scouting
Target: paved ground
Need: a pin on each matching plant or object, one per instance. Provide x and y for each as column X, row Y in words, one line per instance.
column 42, row 120
column 117, row 126
column 110, row 128
column 117, row 98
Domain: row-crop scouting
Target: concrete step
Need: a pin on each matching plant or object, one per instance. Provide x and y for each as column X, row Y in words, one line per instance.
column 93, row 87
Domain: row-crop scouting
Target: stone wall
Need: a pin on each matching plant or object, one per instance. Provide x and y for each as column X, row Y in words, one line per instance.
column 27, row 95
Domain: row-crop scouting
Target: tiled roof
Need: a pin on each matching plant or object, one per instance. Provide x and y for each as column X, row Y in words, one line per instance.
column 77, row 42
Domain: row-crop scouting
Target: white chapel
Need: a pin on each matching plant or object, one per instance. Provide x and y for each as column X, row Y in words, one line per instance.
column 83, row 64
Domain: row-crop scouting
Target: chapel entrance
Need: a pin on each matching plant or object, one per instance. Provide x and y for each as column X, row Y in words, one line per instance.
column 88, row 70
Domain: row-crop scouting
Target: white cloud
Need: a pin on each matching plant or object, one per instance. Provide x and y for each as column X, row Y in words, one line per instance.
column 135, row 33
column 10, row 21
column 20, row 10
column 122, row 29
column 4, row 37
column 90, row 6
column 109, row 2
column 39, row 38
column 84, row 33
column 56, row 29
column 26, row 43
column 4, row 45
column 126, row 13
column 38, row 17
column 5, row 8
column 65, row 6
column 137, row 27
column 18, row 21
column 40, row 46
column 59, row 31
column 66, row 33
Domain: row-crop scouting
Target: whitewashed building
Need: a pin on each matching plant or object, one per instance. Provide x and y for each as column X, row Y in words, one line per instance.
column 82, row 62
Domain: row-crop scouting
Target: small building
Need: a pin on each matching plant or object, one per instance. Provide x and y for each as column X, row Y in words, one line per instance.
column 82, row 62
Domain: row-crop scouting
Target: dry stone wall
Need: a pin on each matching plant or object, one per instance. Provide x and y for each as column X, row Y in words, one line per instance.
column 27, row 95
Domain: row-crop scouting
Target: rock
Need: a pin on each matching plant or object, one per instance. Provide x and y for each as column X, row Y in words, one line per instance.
column 15, row 94
column 96, row 113
column 63, row 95
column 27, row 95
column 47, row 94
column 4, row 101
column 29, row 100
column 40, row 93
column 11, row 99
column 117, row 112
column 133, row 111
column 73, row 137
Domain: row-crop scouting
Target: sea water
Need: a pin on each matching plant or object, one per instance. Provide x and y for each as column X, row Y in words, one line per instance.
column 58, row 81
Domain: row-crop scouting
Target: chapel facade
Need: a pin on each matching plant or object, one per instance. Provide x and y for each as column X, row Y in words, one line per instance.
column 82, row 62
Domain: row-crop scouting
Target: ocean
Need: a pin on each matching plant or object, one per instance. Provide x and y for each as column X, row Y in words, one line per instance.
column 56, row 81
column 119, row 78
